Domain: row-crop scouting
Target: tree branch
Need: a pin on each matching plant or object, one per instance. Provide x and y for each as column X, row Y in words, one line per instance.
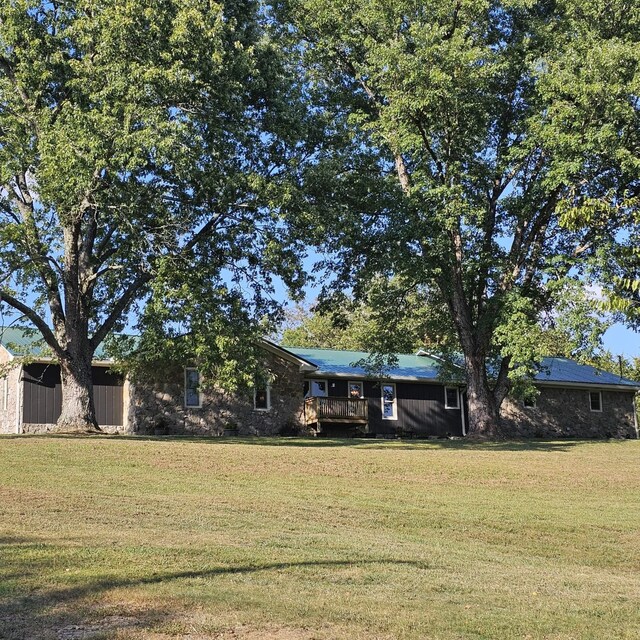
column 429, row 148
column 119, row 308
column 37, row 321
column 403, row 173
column 9, row 72
column 36, row 250
column 502, row 382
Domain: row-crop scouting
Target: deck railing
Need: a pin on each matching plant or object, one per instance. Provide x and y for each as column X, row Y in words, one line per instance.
column 319, row 410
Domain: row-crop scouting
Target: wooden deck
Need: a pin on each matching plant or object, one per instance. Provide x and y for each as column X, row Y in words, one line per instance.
column 337, row 410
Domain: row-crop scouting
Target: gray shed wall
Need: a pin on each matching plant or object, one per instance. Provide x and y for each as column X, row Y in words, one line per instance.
column 42, row 397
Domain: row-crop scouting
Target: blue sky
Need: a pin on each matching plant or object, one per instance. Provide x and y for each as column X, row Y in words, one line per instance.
column 622, row 341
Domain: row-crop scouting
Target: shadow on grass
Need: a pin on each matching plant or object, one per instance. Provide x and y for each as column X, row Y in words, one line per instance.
column 415, row 444
column 74, row 612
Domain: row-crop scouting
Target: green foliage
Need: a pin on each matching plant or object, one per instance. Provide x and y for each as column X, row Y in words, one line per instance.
column 306, row 327
column 613, row 223
column 389, row 317
column 571, row 326
column 605, row 196
column 471, row 123
column 147, row 151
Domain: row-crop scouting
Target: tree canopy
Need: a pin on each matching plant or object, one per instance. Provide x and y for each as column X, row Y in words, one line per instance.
column 465, row 128
column 408, row 321
column 143, row 162
column 392, row 319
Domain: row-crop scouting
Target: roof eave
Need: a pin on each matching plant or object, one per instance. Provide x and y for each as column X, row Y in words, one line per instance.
column 587, row 385
column 543, row 383
column 363, row 376
column 305, row 365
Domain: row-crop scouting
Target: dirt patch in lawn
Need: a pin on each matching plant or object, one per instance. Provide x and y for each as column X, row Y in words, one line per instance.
column 244, row 632
column 108, row 626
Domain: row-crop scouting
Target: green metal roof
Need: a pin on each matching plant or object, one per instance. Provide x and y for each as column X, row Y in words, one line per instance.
column 565, row 370
column 19, row 342
column 424, row 367
column 338, row 362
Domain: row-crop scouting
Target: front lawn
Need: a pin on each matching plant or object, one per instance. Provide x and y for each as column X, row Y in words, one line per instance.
column 113, row 537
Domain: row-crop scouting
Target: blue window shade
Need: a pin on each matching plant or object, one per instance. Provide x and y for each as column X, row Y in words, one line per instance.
column 192, row 388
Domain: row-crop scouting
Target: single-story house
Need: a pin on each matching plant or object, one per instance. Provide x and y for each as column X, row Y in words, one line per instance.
column 573, row 400
column 315, row 391
column 410, row 400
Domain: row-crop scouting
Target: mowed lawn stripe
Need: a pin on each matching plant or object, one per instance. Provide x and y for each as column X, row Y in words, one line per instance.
column 261, row 538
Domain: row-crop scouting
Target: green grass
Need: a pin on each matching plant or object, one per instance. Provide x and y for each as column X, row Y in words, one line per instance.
column 303, row 539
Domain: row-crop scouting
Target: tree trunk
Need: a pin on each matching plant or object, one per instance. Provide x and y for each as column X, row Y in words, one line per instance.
column 484, row 416
column 483, row 404
column 78, row 411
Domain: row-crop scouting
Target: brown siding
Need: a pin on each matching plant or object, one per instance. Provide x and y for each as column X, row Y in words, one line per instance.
column 339, row 388
column 107, row 395
column 42, row 401
column 421, row 408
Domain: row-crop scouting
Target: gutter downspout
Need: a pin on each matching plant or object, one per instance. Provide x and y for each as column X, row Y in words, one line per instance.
column 462, row 420
column 19, row 400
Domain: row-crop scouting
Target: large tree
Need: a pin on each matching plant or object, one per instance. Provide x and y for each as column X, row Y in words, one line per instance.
column 142, row 154
column 612, row 218
column 470, row 122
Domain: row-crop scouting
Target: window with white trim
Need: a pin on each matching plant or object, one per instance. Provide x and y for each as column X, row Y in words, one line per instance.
column 262, row 397
column 356, row 390
column 451, row 398
column 192, row 395
column 318, row 389
column 595, row 400
column 389, row 402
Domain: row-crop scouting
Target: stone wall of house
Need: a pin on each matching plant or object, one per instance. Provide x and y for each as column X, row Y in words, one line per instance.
column 9, row 394
column 566, row 413
column 159, row 409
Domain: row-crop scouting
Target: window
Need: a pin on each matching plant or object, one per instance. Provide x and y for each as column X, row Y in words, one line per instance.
column 355, row 390
column 389, row 402
column 529, row 402
column 192, row 397
column 595, row 401
column 262, row 397
column 318, row 389
column 451, row 398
